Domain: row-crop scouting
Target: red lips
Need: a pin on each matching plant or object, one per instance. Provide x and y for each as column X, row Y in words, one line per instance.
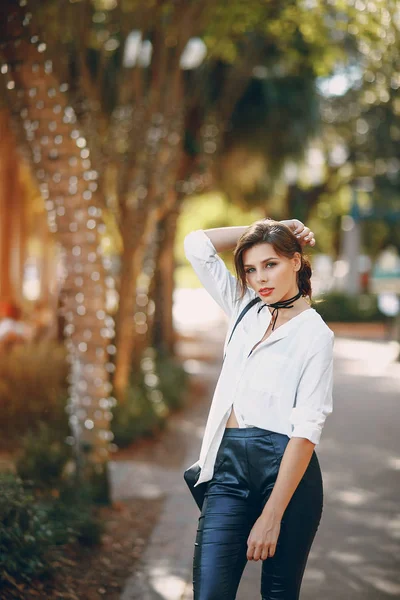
column 265, row 291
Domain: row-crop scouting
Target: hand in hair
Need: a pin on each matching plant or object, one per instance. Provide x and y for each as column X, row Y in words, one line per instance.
column 302, row 232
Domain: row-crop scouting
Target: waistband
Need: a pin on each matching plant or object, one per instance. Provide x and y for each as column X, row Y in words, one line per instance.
column 249, row 432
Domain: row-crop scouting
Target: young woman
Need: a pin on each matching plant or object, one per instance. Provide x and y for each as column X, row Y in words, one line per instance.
column 264, row 493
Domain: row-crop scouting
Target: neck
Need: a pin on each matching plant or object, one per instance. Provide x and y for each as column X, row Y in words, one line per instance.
column 291, row 293
column 294, row 306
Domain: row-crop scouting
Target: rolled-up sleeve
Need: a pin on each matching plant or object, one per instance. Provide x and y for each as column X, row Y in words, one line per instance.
column 211, row 270
column 314, row 394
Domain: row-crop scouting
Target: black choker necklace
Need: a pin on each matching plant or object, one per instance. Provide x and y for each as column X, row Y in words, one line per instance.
column 282, row 304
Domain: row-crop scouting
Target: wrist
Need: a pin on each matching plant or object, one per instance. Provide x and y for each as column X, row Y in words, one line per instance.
column 273, row 512
column 288, row 222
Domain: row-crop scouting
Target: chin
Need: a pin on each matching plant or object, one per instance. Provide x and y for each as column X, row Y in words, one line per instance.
column 268, row 299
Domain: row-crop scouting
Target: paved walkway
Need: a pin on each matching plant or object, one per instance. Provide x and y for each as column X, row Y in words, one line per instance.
column 355, row 555
column 165, row 568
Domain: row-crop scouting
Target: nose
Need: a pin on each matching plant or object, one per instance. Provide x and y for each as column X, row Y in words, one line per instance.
column 261, row 277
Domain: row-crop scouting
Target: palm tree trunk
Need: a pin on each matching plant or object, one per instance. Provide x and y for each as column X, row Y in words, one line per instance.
column 61, row 164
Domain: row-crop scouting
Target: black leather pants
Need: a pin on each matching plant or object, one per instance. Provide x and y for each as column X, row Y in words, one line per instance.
column 246, row 469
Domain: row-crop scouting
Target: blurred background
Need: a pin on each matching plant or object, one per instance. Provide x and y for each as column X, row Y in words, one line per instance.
column 125, row 125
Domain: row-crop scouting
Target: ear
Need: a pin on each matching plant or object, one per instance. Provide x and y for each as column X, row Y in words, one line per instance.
column 296, row 261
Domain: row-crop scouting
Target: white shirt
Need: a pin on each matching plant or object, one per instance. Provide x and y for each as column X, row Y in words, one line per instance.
column 284, row 385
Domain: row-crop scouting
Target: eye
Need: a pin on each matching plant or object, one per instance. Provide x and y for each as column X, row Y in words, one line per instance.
column 271, row 264
column 249, row 270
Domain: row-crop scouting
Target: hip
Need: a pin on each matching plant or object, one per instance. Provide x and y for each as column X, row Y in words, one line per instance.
column 250, row 458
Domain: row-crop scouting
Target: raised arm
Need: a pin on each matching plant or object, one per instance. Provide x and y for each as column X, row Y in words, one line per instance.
column 225, row 238
column 202, row 248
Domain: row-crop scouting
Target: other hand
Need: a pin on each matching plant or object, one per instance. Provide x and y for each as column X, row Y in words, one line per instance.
column 263, row 537
column 303, row 233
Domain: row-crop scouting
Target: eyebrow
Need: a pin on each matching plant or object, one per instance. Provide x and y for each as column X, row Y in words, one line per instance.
column 265, row 260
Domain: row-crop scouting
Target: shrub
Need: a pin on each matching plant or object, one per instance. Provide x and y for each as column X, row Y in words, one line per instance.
column 173, row 380
column 135, row 417
column 33, row 388
column 73, row 516
column 43, row 457
column 337, row 306
column 25, row 533
column 145, row 409
column 31, row 526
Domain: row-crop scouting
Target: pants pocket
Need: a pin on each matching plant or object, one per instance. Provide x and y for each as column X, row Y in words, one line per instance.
column 279, row 441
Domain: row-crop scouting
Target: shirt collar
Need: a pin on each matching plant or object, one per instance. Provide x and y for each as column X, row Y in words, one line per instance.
column 283, row 330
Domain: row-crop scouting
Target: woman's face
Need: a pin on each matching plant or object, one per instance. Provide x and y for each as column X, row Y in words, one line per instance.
column 272, row 277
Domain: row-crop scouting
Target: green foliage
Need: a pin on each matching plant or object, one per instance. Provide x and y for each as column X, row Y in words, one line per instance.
column 33, row 389
column 366, row 119
column 173, row 380
column 290, row 29
column 25, row 533
column 72, row 515
column 31, row 526
column 145, row 410
column 285, row 107
column 340, row 307
column 135, row 417
column 43, row 457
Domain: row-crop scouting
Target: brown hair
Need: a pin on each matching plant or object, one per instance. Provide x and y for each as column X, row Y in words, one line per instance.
column 283, row 241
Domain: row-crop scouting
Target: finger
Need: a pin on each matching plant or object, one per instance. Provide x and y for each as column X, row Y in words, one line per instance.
column 257, row 553
column 249, row 555
column 309, row 238
column 264, row 554
column 250, row 552
column 303, row 233
column 299, row 226
column 272, row 550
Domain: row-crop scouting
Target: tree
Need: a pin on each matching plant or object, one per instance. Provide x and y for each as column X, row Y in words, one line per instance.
column 157, row 132
column 360, row 126
column 61, row 163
